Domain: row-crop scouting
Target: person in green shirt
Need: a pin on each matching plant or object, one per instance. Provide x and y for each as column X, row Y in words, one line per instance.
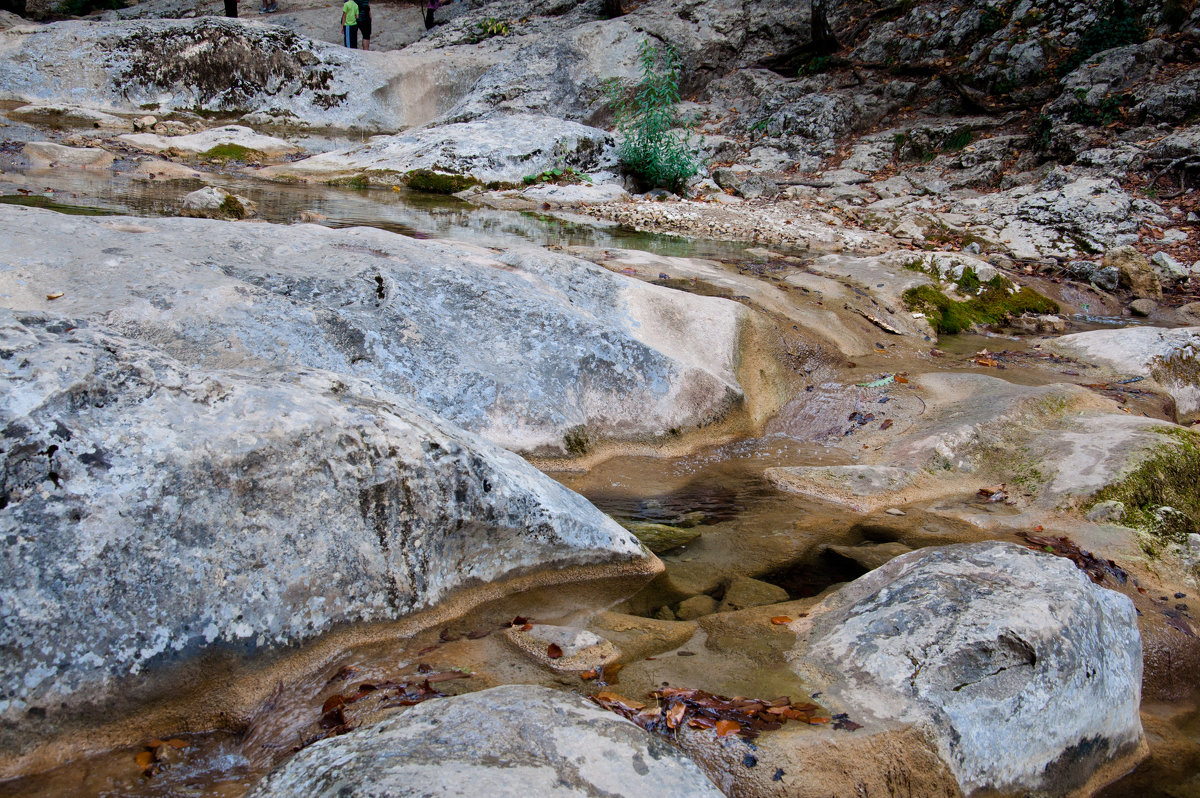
column 350, row 24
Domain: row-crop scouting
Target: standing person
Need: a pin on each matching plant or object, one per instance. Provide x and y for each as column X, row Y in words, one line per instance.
column 350, row 24
column 364, row 23
column 429, row 6
column 231, row 8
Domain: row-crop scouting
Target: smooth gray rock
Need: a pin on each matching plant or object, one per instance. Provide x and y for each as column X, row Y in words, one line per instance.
column 153, row 511
column 1110, row 510
column 510, row 742
column 1026, row 676
column 536, row 351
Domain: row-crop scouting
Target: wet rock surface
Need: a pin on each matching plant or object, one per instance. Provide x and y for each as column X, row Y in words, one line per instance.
column 504, row 741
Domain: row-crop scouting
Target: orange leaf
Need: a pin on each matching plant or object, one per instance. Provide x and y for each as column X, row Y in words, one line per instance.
column 144, row 760
column 780, row 620
column 675, row 715
column 591, row 674
column 175, row 742
column 818, row 721
column 902, row 380
column 727, row 727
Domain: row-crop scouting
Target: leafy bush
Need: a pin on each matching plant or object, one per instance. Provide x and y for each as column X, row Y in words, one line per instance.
column 1116, row 28
column 652, row 148
column 487, row 28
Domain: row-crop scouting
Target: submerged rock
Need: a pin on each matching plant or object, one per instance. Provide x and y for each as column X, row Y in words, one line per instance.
column 536, row 351
column 211, row 202
column 155, row 512
column 1026, row 676
column 508, row 741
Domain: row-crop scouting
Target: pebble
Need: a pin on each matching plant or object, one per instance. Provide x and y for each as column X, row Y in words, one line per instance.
column 894, row 511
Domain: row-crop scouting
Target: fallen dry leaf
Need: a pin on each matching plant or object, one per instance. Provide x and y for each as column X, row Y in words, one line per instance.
column 55, row 295
column 780, row 620
column 727, row 727
column 554, row 651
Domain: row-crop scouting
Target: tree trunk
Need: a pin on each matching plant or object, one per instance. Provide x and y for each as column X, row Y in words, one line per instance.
column 823, row 40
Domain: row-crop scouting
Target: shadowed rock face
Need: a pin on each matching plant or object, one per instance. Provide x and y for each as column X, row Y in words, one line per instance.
column 154, row 511
column 510, row 741
column 535, row 351
column 1025, row 674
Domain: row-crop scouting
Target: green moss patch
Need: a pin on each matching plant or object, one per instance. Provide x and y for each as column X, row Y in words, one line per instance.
column 1167, row 478
column 993, row 305
column 432, row 182
column 224, row 153
column 232, row 208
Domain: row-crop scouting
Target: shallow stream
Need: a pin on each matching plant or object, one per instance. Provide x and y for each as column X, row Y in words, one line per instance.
column 745, row 525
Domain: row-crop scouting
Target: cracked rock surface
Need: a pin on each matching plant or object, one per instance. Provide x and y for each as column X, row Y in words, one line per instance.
column 1026, row 676
column 517, row 740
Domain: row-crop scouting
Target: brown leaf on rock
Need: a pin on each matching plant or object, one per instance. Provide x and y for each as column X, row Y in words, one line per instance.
column 727, row 727
column 780, row 620
column 887, row 423
column 554, row 651
column 144, row 759
column 675, row 715
column 1085, row 561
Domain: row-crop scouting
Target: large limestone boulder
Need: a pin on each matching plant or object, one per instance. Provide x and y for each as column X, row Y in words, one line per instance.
column 1170, row 357
column 155, row 512
column 507, row 742
column 500, row 148
column 536, row 351
column 1024, row 674
column 232, row 66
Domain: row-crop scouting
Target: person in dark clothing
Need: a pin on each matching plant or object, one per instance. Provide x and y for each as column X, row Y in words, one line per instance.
column 364, row 23
column 231, row 8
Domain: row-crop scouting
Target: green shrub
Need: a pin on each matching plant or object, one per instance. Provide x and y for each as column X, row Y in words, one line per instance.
column 487, row 28
column 1117, row 27
column 652, row 148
